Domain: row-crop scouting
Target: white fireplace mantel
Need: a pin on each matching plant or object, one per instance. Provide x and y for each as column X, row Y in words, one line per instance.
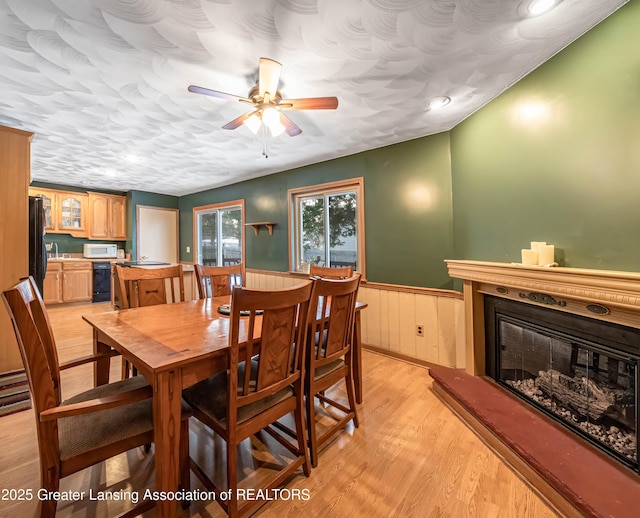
column 602, row 294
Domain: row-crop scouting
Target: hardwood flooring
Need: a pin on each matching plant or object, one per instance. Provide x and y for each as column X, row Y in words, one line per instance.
column 411, row 457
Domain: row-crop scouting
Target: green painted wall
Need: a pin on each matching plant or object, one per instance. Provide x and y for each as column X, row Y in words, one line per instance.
column 567, row 172
column 408, row 212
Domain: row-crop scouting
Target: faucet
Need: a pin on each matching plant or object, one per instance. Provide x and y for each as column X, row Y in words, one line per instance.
column 54, row 244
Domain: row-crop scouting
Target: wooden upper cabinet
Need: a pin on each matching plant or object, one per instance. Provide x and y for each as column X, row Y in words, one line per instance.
column 98, row 216
column 108, row 217
column 118, row 214
column 48, row 203
column 65, row 212
column 72, row 211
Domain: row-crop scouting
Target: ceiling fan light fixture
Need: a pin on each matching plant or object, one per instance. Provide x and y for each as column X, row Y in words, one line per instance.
column 253, row 123
column 436, row 103
column 271, row 119
column 276, row 129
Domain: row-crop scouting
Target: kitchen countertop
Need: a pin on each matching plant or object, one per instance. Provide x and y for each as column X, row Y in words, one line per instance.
column 187, row 267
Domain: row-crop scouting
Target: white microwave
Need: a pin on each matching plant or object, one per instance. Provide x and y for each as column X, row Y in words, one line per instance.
column 104, row 251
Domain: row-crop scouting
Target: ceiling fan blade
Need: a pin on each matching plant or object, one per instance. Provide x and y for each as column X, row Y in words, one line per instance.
column 215, row 93
column 289, row 126
column 309, row 103
column 237, row 122
column 268, row 76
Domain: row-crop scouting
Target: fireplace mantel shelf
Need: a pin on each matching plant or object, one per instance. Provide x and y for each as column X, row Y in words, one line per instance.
column 606, row 295
column 611, row 288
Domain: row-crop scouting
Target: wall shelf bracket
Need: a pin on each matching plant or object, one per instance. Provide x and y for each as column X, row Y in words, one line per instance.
column 256, row 226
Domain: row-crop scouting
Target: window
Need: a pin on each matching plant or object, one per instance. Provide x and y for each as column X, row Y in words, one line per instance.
column 328, row 225
column 218, row 234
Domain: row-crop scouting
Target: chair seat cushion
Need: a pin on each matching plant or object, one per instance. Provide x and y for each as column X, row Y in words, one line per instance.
column 210, row 397
column 82, row 433
column 324, row 370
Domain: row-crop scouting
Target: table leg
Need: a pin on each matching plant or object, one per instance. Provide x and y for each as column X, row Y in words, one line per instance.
column 357, row 357
column 100, row 367
column 167, row 407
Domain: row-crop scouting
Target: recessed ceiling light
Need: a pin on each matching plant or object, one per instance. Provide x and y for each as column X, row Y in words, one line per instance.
column 538, row 7
column 435, row 103
column 133, row 159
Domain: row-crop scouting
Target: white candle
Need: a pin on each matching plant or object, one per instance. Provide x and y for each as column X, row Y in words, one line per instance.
column 546, row 254
column 535, row 245
column 529, row 257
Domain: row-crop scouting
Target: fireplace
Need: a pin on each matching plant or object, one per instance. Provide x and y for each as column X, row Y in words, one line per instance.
column 552, row 359
column 580, row 371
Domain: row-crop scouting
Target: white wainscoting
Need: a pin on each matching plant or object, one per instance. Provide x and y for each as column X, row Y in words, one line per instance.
column 393, row 313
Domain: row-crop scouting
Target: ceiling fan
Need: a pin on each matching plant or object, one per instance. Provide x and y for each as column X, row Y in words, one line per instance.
column 267, row 102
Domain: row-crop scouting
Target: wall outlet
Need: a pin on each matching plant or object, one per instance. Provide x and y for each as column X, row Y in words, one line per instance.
column 420, row 330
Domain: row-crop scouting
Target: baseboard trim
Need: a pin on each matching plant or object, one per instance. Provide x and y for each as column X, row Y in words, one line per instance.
column 399, row 356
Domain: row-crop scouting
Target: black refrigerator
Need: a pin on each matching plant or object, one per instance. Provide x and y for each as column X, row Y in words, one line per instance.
column 37, row 250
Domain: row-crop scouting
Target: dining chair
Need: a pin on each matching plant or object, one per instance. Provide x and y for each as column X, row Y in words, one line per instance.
column 216, row 281
column 324, row 272
column 263, row 383
column 89, row 427
column 141, row 287
column 329, row 360
column 148, row 286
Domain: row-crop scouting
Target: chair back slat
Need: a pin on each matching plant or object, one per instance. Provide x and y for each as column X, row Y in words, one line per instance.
column 147, row 286
column 218, row 281
column 278, row 354
column 331, row 314
column 324, row 272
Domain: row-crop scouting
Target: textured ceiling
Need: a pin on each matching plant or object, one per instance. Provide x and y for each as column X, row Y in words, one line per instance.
column 103, row 83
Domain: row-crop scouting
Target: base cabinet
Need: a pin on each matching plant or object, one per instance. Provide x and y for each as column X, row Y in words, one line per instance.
column 70, row 281
column 52, row 286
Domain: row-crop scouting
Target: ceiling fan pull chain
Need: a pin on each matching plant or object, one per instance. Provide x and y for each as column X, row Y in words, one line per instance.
column 264, row 141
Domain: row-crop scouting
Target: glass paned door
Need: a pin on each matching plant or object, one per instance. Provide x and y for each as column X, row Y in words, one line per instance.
column 220, row 236
column 208, row 238
column 231, row 236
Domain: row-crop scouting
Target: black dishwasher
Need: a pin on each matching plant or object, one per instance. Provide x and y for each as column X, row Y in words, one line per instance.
column 101, row 282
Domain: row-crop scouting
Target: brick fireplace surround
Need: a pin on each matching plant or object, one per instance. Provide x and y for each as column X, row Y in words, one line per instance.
column 574, row 477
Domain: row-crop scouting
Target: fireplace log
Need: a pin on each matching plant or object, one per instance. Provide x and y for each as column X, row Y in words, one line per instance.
column 586, row 397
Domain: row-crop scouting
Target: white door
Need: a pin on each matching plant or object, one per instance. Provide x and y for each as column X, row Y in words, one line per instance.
column 157, row 234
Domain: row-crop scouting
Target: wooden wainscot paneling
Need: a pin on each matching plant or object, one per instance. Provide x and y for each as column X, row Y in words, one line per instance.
column 389, row 323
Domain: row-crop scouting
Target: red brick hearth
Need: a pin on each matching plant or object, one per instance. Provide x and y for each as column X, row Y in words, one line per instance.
column 575, row 478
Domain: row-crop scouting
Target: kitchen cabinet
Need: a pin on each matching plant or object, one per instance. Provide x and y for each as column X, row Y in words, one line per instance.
column 52, row 287
column 15, row 160
column 65, row 212
column 77, row 281
column 107, row 217
column 68, row 281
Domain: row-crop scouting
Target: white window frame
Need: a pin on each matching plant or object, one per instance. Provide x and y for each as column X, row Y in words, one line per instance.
column 217, row 207
column 295, row 195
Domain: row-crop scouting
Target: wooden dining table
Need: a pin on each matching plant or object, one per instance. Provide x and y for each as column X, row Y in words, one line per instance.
column 175, row 346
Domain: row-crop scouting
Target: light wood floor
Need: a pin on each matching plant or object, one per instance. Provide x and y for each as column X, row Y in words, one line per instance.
column 411, row 457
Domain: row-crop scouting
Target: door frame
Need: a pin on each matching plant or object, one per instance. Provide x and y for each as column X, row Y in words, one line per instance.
column 151, row 207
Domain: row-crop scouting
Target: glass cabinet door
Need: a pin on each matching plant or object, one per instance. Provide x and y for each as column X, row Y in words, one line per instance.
column 47, row 203
column 71, row 213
